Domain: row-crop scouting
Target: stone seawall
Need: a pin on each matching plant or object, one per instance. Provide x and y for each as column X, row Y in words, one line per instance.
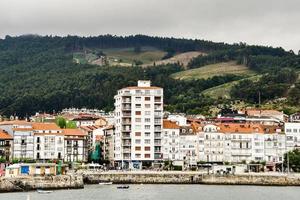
column 191, row 178
column 27, row 183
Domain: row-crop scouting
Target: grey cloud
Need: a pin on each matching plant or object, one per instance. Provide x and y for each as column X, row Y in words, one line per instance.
column 268, row 22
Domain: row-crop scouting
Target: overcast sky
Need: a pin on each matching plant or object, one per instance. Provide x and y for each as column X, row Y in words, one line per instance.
column 267, row 22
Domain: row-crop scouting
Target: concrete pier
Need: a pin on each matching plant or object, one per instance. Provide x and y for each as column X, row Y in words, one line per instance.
column 27, row 183
column 190, row 178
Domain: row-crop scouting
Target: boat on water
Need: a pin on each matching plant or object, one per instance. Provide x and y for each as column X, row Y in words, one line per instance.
column 123, row 187
column 106, row 183
column 44, row 191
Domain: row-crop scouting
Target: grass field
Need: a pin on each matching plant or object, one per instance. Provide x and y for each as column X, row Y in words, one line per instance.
column 218, row 69
column 182, row 58
column 127, row 55
column 121, row 56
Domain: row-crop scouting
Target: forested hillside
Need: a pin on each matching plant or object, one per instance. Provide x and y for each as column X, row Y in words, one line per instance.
column 39, row 73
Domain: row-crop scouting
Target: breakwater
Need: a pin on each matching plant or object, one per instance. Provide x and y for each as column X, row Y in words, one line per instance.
column 27, row 183
column 190, row 178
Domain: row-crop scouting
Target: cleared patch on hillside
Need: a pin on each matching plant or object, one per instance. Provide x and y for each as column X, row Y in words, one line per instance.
column 219, row 69
column 223, row 91
column 119, row 56
column 181, row 58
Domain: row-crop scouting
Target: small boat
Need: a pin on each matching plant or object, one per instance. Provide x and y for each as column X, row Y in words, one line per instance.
column 123, row 187
column 106, row 183
column 44, row 191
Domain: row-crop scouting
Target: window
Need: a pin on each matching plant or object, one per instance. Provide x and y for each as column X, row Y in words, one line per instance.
column 138, row 106
column 147, row 141
column 138, row 127
column 138, row 141
column 288, row 130
column 147, row 119
column 147, row 134
column 138, row 112
column 137, row 148
column 137, row 133
column 147, row 92
column 147, row 105
column 147, row 98
column 138, row 155
column 138, row 98
column 147, row 155
column 147, row 126
column 147, row 113
column 147, row 148
column 138, row 120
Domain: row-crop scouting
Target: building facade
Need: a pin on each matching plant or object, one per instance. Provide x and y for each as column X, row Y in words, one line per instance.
column 48, row 142
column 138, row 112
column 6, row 141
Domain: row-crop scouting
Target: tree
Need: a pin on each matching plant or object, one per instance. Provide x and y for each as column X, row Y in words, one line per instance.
column 294, row 160
column 61, row 122
column 96, row 154
column 137, row 49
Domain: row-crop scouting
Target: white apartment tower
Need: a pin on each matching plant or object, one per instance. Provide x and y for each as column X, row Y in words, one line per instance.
column 138, row 112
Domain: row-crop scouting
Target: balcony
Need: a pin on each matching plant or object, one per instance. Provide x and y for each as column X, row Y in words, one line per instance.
column 126, row 122
column 157, row 143
column 126, row 129
column 127, row 157
column 157, row 99
column 241, row 139
column 156, row 122
column 157, row 128
column 126, row 114
column 127, row 150
column 125, row 136
column 241, row 153
column 126, row 143
column 126, row 107
column 157, row 150
column 126, row 100
column 157, row 135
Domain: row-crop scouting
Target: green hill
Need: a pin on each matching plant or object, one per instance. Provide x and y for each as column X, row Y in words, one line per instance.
column 49, row 73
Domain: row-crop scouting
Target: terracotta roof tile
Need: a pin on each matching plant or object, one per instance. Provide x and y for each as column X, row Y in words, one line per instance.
column 4, row 135
column 45, row 126
column 168, row 124
column 74, row 132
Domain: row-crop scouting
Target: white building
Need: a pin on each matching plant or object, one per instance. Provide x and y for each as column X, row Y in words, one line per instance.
column 292, row 131
column 180, row 119
column 188, row 146
column 213, row 143
column 48, row 141
column 75, row 145
column 23, row 143
column 138, row 112
column 170, row 140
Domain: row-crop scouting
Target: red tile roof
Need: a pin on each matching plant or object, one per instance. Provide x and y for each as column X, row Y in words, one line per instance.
column 74, row 132
column 4, row 135
column 45, row 126
column 168, row 124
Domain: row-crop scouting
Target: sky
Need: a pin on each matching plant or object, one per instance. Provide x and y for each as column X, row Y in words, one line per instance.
column 264, row 22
